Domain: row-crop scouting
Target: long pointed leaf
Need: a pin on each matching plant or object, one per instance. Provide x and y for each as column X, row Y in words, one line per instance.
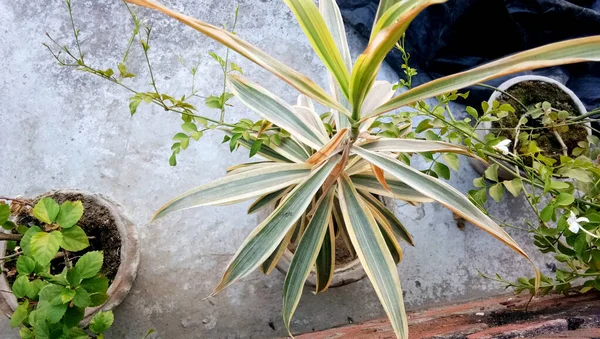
column 384, row 6
column 305, row 256
column 252, row 53
column 311, row 117
column 237, row 187
column 374, row 255
column 443, row 193
column 333, row 18
column 325, row 263
column 560, row 53
column 399, row 190
column 316, row 31
column 264, row 151
column 267, row 199
column 290, row 149
column 368, row 63
column 266, row 237
column 329, row 148
column 414, row 146
column 396, row 226
column 272, row 108
column 268, row 265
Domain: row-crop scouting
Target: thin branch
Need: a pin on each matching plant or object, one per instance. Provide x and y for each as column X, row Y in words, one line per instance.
column 564, row 147
column 10, row 236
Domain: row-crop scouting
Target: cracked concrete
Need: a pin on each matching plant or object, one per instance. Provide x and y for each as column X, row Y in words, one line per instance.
column 64, row 129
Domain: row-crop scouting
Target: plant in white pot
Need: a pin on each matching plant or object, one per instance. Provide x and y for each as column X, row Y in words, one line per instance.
column 315, row 169
column 541, row 105
column 64, row 268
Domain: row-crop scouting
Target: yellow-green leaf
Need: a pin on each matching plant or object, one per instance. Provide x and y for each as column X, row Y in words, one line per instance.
column 317, row 32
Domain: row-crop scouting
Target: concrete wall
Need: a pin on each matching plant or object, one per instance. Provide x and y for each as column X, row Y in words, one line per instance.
column 66, row 129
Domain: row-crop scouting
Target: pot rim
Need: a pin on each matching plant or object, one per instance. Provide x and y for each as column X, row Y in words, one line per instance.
column 126, row 273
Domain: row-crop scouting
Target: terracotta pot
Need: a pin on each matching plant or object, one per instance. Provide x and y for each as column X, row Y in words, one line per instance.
column 487, row 125
column 130, row 258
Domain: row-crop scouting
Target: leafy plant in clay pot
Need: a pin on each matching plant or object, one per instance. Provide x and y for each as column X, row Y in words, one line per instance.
column 318, row 166
column 50, row 272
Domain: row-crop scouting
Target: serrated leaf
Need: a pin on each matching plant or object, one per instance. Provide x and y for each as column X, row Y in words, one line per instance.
column 44, row 246
column 90, row 264
column 101, row 322
column 74, row 277
column 25, row 265
column 73, row 316
column 46, row 210
column 98, row 299
column 81, row 298
column 51, row 293
column 51, row 313
column 21, row 313
column 26, row 240
column 69, row 214
column 74, row 239
column 95, row 284
column 67, row 295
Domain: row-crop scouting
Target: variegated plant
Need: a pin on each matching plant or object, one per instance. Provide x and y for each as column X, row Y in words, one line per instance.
column 316, row 177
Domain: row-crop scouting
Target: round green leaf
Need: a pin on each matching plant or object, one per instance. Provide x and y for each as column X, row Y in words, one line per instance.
column 95, row 284
column 101, row 322
column 21, row 286
column 82, row 298
column 496, row 192
column 74, row 239
column 4, row 213
column 564, row 199
column 90, row 264
column 46, row 210
column 26, row 240
column 52, row 294
column 20, row 314
column 70, row 213
column 25, row 265
column 44, row 246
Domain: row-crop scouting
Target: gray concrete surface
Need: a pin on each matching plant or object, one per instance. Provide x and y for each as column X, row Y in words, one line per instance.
column 65, row 129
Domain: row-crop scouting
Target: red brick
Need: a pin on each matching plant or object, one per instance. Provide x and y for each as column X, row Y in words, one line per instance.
column 522, row 330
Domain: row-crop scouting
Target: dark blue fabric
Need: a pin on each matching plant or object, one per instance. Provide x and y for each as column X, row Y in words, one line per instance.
column 461, row 34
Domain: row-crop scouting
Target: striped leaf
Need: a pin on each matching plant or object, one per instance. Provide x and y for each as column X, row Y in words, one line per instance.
column 374, row 255
column 273, row 109
column 414, row 146
column 560, row 53
column 384, row 6
column 252, row 53
column 267, row 200
column 265, row 151
column 320, row 38
column 341, row 228
column 395, row 225
column 268, row 265
column 325, row 263
column 238, row 187
column 381, row 92
column 333, row 19
column 388, row 236
column 290, row 149
column 367, row 65
column 443, row 193
column 259, row 245
column 305, row 256
column 243, row 167
column 399, row 189
column 332, row 146
column 311, row 117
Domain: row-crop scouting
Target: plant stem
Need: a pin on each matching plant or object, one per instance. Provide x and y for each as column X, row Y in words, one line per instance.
column 21, row 201
column 11, row 256
column 564, row 147
column 10, row 236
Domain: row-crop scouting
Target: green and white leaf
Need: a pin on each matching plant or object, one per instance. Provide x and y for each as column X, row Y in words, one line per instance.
column 266, row 237
column 374, row 255
column 399, row 190
column 237, row 187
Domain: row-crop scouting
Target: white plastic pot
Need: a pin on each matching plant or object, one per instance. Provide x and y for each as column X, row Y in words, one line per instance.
column 487, row 125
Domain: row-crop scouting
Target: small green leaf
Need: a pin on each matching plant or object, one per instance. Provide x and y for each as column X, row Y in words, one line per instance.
column 442, row 170
column 197, row 135
column 213, row 102
column 36, row 287
column 255, row 147
column 4, row 213
column 74, row 277
column 73, row 316
column 81, row 298
column 52, row 294
column 21, row 286
column 173, row 159
column 90, row 264
column 189, row 127
column 70, row 213
column 20, row 314
column 479, row 182
column 491, row 172
column 185, row 143
column 101, row 322
column 67, row 295
column 564, row 199
column 472, row 112
column 46, row 210
column 562, row 257
column 20, row 229
column 44, row 246
column 26, row 333
column 95, row 284
column 26, row 240
column 496, row 192
column 52, row 313
column 25, row 265
column 547, row 213
column 74, row 239
column 98, row 299
column 514, row 186
column 452, row 160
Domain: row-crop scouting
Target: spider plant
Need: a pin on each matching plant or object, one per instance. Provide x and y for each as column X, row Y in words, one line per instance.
column 313, row 174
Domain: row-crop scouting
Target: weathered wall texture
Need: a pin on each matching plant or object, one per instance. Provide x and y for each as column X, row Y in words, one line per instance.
column 64, row 129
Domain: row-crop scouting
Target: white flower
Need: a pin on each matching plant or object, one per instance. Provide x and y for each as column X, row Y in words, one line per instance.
column 502, row 146
column 574, row 225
